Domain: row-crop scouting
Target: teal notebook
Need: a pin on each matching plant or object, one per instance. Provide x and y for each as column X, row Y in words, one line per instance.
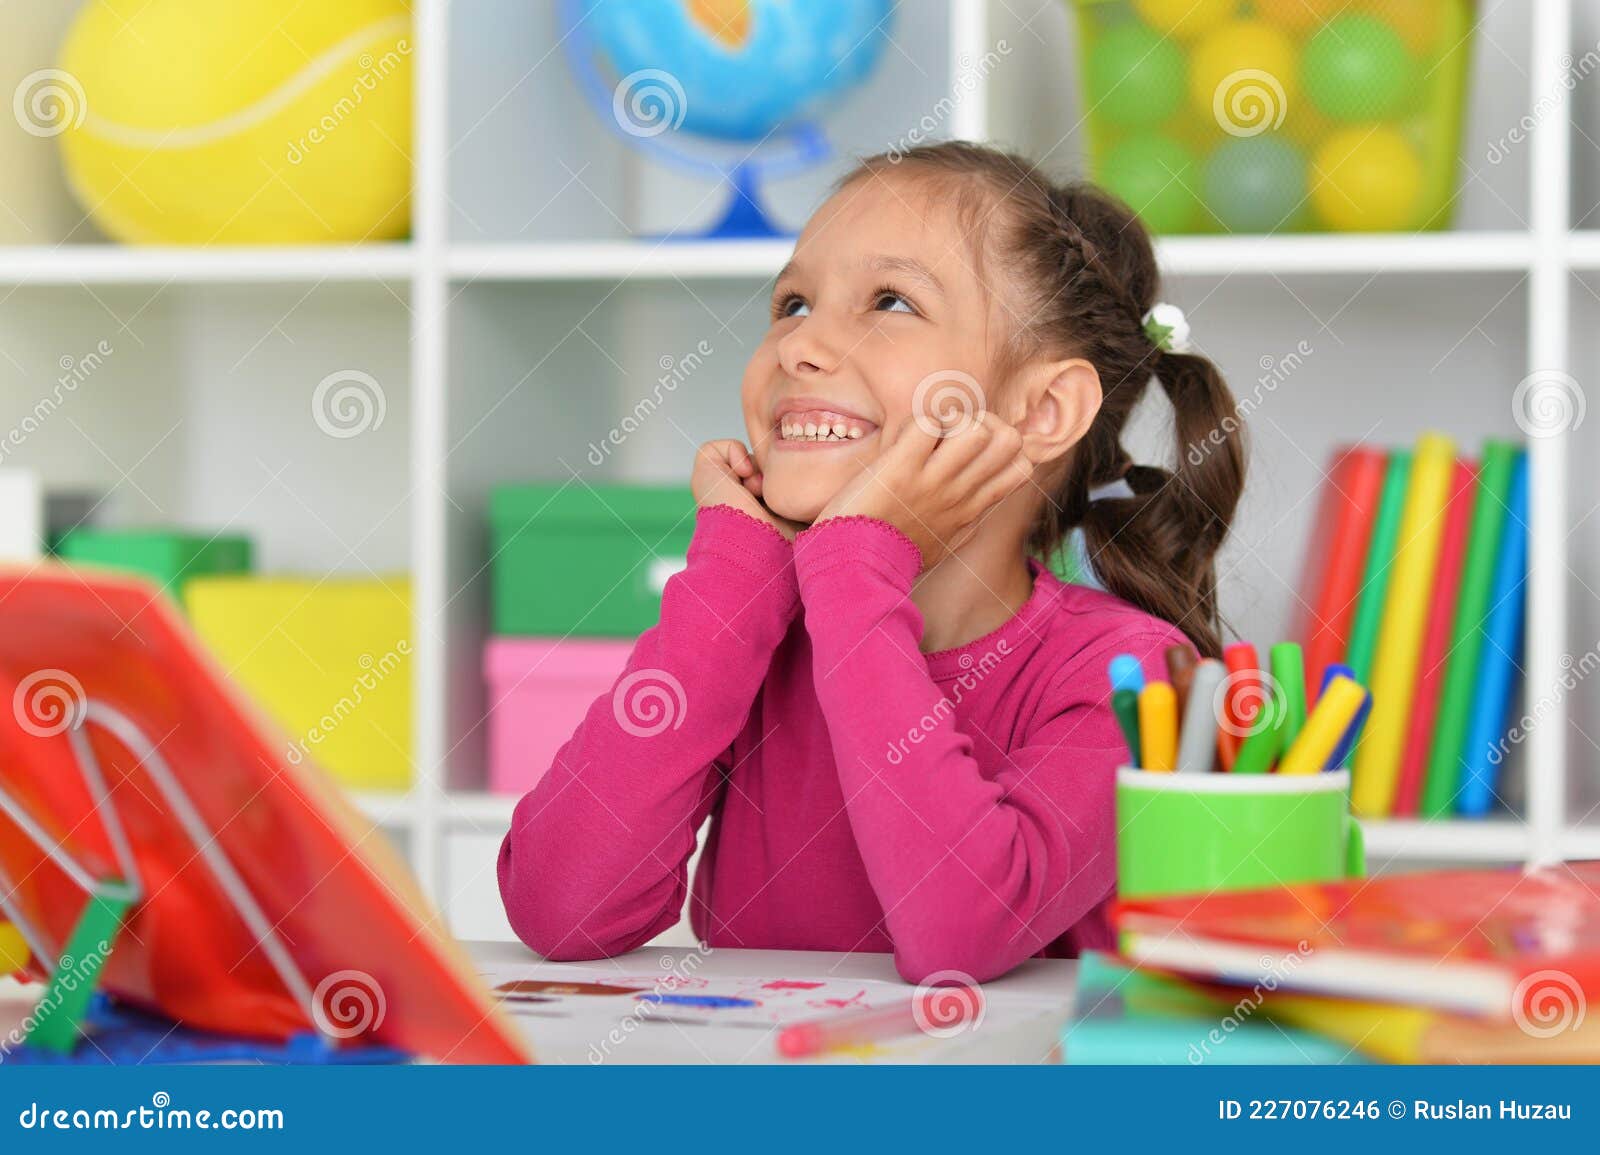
column 1126, row 1017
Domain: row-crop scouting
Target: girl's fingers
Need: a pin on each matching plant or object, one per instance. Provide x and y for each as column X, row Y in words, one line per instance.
column 739, row 458
column 753, row 484
column 999, row 451
column 956, row 452
column 1003, row 482
column 911, row 443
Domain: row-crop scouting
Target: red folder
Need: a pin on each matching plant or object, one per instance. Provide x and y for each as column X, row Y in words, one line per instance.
column 81, row 656
column 1331, row 578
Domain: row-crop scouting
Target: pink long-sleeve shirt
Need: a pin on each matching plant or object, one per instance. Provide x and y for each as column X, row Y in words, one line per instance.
column 955, row 808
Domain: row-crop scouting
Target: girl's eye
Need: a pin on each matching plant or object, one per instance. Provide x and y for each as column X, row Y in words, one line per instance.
column 891, row 302
column 792, row 307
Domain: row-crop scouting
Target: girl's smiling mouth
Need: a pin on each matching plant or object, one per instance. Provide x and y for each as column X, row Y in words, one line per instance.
column 804, row 423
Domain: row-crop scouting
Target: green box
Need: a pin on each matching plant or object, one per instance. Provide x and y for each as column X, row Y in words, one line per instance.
column 585, row 560
column 167, row 557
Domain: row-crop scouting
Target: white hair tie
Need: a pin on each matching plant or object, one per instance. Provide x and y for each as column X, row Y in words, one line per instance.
column 1167, row 328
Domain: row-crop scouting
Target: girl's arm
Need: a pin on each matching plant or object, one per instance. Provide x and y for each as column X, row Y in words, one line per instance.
column 974, row 875
column 596, row 860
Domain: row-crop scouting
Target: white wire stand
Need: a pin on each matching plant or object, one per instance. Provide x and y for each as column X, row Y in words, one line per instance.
column 76, row 964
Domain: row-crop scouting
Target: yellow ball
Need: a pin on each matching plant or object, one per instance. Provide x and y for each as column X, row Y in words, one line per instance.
column 1185, row 19
column 246, row 122
column 1243, row 74
column 1367, row 179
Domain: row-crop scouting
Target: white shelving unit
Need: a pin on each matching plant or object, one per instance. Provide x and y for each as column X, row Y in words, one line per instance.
column 523, row 319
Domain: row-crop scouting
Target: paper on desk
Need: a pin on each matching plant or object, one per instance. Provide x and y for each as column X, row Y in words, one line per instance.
column 545, row 991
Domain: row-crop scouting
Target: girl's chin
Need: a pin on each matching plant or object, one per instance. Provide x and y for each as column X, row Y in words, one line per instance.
column 803, row 504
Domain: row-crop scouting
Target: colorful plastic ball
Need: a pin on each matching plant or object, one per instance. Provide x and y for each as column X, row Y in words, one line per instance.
column 1155, row 176
column 1136, row 76
column 1256, row 184
column 1357, row 68
column 1419, row 22
column 1300, row 16
column 1367, row 179
column 250, row 122
column 1243, row 75
column 1185, row 19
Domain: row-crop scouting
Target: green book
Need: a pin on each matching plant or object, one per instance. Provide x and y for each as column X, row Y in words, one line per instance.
column 1466, row 634
column 1380, row 557
column 1130, row 1017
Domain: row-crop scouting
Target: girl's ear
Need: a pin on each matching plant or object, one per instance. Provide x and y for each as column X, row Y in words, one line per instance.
column 1061, row 399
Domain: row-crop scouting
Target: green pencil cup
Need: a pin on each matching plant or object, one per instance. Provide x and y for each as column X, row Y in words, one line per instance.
column 1201, row 833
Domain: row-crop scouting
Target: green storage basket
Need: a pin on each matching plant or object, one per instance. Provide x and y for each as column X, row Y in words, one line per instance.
column 167, row 557
column 585, row 560
column 1260, row 116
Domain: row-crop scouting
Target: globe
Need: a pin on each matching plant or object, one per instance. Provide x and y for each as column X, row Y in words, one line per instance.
column 748, row 77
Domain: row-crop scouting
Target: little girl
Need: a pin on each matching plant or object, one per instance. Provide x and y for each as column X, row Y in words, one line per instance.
column 896, row 718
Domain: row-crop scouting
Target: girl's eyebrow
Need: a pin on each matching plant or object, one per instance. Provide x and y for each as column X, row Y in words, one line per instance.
column 908, row 267
column 883, row 263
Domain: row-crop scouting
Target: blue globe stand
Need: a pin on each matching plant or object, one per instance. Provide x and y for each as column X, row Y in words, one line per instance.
column 744, row 219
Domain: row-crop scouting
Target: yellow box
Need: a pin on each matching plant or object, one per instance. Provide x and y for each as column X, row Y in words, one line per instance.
column 13, row 950
column 329, row 661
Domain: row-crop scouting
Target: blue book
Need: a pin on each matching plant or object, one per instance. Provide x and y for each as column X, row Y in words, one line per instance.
column 1126, row 1017
column 1486, row 746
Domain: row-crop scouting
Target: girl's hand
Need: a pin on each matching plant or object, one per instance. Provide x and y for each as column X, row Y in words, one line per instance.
column 935, row 489
column 725, row 474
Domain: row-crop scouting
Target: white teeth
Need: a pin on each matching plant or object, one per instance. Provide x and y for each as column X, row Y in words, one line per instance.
column 838, row 429
column 855, row 431
column 811, row 429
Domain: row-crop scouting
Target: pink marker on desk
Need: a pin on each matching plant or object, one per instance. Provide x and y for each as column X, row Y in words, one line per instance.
column 936, row 1011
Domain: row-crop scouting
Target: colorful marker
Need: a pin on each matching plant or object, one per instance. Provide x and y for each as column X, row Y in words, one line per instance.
column 1336, row 709
column 1125, row 705
column 1243, row 699
column 1197, row 745
column 1127, row 673
column 1289, row 673
column 1341, row 753
column 1261, row 747
column 1180, row 671
column 1158, row 726
column 950, row 1007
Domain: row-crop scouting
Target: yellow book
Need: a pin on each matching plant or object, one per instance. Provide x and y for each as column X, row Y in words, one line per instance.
column 13, row 951
column 1405, row 613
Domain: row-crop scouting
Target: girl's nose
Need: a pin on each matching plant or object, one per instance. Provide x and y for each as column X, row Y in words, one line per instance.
column 810, row 348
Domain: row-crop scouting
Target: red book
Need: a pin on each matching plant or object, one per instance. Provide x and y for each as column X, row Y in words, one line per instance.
column 1436, row 640
column 1337, row 557
column 266, row 906
column 1500, row 943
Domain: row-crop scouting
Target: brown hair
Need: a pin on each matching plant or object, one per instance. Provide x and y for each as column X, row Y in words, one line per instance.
column 1087, row 275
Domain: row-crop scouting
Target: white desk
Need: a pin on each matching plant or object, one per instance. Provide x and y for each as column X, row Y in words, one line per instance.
column 1023, row 1016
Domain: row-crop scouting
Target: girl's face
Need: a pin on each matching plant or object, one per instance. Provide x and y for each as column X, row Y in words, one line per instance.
column 880, row 316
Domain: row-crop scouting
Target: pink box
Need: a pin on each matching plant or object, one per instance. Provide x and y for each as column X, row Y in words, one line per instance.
column 539, row 690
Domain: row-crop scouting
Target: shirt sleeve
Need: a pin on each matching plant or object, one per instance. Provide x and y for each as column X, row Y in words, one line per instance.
column 596, row 861
column 974, row 874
